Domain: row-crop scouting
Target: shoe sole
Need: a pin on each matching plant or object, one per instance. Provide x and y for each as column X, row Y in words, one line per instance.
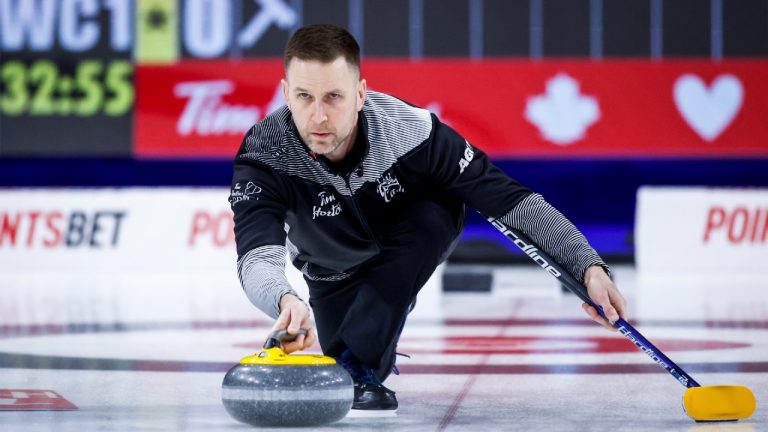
column 369, row 413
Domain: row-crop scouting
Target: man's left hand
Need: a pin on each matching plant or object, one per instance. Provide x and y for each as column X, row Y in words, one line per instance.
column 604, row 293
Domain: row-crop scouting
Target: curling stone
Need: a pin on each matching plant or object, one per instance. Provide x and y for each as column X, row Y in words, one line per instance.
column 272, row 388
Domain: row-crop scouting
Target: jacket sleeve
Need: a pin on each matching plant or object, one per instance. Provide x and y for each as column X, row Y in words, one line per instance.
column 456, row 166
column 462, row 169
column 258, row 199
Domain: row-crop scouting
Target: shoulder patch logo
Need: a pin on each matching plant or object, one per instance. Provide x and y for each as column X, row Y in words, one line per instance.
column 251, row 189
column 388, row 186
column 469, row 154
column 238, row 194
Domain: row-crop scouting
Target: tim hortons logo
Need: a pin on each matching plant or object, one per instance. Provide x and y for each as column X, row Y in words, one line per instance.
column 240, row 193
column 206, row 113
column 328, row 206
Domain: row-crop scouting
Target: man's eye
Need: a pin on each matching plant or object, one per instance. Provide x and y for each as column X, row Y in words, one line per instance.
column 334, row 96
column 303, row 95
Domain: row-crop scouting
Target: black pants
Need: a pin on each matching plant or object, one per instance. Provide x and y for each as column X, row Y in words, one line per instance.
column 366, row 311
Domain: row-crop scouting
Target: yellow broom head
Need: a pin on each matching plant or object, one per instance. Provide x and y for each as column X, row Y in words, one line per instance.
column 719, row 403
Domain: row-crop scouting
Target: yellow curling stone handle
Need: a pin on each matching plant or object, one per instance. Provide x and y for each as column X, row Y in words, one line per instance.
column 272, row 354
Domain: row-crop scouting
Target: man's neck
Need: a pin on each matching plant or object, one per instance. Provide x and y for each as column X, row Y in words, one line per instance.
column 337, row 156
column 352, row 153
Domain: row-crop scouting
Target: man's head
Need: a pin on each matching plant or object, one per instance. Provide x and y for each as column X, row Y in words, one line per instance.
column 323, row 89
column 323, row 43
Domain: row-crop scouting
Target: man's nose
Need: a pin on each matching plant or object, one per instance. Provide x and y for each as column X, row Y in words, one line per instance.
column 318, row 112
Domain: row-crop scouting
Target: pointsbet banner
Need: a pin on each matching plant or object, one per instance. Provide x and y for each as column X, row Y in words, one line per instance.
column 508, row 108
column 116, row 230
column 702, row 231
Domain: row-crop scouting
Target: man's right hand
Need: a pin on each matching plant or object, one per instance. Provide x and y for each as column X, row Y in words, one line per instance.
column 294, row 315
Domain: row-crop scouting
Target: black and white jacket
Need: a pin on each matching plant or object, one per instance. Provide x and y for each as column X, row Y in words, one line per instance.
column 284, row 196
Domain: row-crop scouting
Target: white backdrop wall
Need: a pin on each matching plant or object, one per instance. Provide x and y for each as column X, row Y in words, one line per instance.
column 710, row 232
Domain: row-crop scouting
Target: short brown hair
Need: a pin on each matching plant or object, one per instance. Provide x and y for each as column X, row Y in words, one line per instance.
column 324, row 43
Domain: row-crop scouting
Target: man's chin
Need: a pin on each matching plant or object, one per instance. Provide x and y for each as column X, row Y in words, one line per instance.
column 321, row 149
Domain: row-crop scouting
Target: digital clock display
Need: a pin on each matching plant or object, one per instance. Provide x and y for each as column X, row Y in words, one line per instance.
column 41, row 88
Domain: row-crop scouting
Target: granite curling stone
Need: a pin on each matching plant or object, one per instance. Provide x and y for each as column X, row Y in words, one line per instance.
column 272, row 388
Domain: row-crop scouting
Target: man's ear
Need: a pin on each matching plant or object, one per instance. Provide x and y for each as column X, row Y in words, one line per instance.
column 361, row 94
column 284, row 83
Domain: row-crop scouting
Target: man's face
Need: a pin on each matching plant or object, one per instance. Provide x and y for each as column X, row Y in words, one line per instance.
column 324, row 99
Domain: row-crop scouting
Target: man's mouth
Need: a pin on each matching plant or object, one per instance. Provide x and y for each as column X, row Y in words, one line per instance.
column 321, row 136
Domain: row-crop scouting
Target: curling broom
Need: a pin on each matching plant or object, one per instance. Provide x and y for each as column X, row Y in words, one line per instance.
column 701, row 403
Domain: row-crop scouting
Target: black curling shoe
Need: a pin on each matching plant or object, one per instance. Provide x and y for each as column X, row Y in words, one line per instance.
column 374, row 397
column 371, row 397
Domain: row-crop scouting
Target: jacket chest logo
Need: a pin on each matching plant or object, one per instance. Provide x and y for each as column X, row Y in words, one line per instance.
column 388, row 186
column 328, row 206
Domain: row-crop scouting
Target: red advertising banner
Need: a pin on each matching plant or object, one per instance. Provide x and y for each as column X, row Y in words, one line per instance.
column 510, row 108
